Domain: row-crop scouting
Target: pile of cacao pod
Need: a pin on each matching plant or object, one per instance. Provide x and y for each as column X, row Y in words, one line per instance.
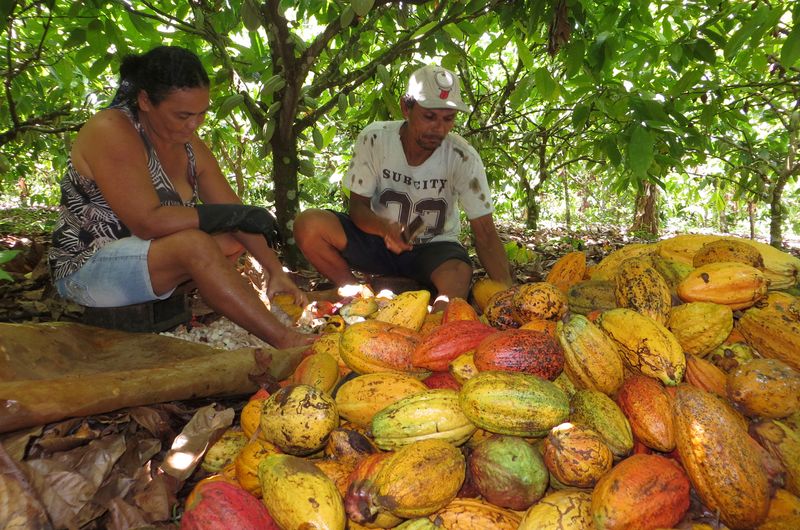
column 658, row 388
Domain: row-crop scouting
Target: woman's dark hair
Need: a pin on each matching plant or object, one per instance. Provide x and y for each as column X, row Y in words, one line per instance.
column 158, row 72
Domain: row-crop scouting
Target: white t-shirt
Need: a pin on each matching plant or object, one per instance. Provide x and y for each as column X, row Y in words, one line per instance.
column 453, row 174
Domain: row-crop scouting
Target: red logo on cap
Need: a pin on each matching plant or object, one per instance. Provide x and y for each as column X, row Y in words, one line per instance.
column 443, row 94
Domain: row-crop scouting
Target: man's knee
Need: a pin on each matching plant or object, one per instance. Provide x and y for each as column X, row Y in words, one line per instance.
column 306, row 224
column 455, row 270
column 314, row 226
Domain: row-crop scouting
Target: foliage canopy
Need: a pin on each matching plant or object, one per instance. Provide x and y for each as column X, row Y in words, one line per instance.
column 573, row 101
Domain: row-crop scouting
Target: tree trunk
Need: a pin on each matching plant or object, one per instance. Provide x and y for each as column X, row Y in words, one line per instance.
column 776, row 212
column 532, row 194
column 645, row 218
column 567, row 218
column 751, row 214
column 789, row 169
column 287, row 202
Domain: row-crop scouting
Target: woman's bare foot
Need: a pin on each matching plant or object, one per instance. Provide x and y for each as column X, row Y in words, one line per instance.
column 293, row 339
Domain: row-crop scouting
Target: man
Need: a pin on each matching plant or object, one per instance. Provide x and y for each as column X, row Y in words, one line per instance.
column 401, row 171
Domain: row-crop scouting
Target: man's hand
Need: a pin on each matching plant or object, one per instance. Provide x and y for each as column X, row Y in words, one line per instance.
column 394, row 240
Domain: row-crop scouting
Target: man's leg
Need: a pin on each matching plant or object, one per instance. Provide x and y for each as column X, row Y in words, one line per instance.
column 194, row 255
column 320, row 237
column 452, row 280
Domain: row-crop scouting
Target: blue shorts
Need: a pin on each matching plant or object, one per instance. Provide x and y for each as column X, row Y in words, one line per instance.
column 116, row 275
column 368, row 253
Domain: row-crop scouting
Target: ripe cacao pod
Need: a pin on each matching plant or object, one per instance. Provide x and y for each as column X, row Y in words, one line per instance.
column 538, row 300
column 513, row 403
column 643, row 492
column 448, row 341
column 646, row 346
column 720, row 458
column 735, row 285
column 568, row 270
column 638, row 286
column 520, row 350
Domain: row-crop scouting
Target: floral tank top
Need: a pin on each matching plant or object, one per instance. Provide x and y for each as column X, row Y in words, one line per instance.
column 86, row 222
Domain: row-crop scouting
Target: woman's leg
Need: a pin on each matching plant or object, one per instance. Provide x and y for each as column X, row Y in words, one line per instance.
column 194, row 255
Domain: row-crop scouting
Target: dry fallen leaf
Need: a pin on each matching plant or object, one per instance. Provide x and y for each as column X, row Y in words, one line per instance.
column 20, row 509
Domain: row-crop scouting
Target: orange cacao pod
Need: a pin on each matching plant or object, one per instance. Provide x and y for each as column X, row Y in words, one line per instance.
column 520, row 350
column 447, row 342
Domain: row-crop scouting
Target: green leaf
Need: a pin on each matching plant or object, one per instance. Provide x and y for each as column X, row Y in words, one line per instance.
column 383, row 75
column 609, row 147
column 525, row 54
column 8, row 255
column 99, row 66
column 640, row 151
column 545, row 83
column 790, row 52
column 579, row 116
column 704, row 51
column 228, row 104
column 574, row 57
column 424, row 29
column 521, row 93
column 76, row 36
column 734, row 43
column 496, row 45
column 362, row 7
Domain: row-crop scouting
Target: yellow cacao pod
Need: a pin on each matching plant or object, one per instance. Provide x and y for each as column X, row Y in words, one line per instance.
column 298, row 419
column 568, row 509
column 483, row 289
column 568, row 270
column 639, row 286
column 375, row 346
column 748, row 388
column 683, row 247
column 646, row 346
column 591, row 295
column 591, row 358
column 513, row 403
column 432, row 414
column 474, row 514
column 728, row 250
column 772, row 335
column 319, row 370
column 607, row 268
column 735, row 285
column 299, row 495
column 360, row 398
column 407, row 309
column 538, row 300
column 700, row 327
column 403, row 485
column 720, row 458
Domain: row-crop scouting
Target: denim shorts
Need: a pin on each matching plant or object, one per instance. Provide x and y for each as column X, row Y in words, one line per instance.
column 116, row 275
column 368, row 253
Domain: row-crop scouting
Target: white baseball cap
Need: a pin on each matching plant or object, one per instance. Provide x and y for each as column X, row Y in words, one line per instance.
column 435, row 87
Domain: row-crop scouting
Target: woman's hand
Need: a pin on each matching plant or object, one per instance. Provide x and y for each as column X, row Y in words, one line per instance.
column 281, row 283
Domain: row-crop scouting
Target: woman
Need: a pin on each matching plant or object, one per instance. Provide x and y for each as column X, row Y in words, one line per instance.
column 131, row 226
